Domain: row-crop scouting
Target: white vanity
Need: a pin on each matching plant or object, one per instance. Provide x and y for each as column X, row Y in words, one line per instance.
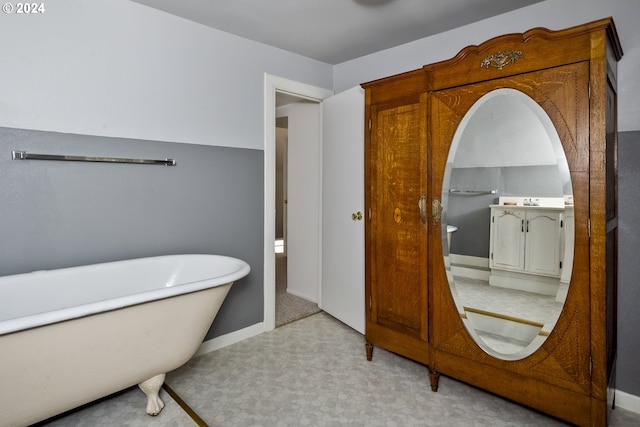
column 529, row 247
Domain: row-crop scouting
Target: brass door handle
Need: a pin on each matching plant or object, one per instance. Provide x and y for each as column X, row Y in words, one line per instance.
column 436, row 210
column 356, row 216
column 422, row 204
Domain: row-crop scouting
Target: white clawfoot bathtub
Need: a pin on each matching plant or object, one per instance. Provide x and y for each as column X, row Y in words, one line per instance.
column 73, row 335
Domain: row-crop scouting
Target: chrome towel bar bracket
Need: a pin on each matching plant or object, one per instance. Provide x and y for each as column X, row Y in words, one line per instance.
column 23, row 155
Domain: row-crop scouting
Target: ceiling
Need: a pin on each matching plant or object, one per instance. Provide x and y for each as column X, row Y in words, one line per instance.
column 335, row 31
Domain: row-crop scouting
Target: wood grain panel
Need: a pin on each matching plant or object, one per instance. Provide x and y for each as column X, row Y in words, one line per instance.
column 396, row 239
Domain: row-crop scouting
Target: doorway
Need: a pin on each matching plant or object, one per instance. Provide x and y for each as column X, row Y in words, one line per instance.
column 297, row 207
column 287, row 91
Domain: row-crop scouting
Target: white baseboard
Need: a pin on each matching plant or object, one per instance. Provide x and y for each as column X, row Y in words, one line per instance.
column 470, row 267
column 301, row 295
column 230, row 338
column 470, row 261
column 627, row 401
column 470, row 272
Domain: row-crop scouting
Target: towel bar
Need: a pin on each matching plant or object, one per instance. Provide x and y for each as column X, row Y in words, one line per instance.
column 23, row 155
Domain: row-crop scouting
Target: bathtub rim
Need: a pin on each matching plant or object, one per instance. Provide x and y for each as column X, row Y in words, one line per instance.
column 30, row 321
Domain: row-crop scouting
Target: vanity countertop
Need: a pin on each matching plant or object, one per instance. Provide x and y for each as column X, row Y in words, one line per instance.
column 521, row 202
column 547, row 208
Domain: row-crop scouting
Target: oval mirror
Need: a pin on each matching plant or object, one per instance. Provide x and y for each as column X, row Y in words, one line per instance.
column 507, row 224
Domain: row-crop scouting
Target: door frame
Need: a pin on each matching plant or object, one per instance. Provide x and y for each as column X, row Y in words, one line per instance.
column 273, row 84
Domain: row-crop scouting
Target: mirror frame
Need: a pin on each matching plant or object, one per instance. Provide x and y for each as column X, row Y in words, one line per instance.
column 554, row 149
column 449, row 107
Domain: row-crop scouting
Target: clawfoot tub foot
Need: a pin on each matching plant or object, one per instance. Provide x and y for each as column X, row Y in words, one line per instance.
column 151, row 388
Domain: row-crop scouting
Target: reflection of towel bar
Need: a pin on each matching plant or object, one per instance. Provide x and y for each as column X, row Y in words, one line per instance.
column 503, row 316
column 23, row 155
column 472, row 192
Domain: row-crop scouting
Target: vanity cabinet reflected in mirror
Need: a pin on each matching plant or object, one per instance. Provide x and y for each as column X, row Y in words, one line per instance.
column 507, row 191
column 491, row 226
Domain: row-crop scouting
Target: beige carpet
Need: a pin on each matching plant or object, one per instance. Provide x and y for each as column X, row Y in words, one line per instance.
column 289, row 307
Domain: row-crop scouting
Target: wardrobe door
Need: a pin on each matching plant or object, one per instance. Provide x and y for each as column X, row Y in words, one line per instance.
column 553, row 372
column 396, row 234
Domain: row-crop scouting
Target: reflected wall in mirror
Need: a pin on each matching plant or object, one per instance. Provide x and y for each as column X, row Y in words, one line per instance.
column 507, row 225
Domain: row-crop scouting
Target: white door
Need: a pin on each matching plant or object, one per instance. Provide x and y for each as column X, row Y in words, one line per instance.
column 343, row 197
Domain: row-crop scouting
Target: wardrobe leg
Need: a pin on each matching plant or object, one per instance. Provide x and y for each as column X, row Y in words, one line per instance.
column 369, row 347
column 435, row 378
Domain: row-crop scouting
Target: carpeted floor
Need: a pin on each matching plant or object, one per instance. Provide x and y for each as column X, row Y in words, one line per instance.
column 289, row 307
column 313, row 372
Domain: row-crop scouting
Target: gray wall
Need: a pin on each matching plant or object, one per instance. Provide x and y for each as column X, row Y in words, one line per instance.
column 60, row 214
column 628, row 377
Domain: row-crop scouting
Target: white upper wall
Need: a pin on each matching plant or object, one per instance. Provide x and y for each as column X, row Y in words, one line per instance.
column 118, row 68
column 552, row 14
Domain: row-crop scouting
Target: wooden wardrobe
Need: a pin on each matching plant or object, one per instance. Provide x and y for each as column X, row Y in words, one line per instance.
column 411, row 121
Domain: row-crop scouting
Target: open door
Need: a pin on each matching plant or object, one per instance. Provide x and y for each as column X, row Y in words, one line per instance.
column 343, row 213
